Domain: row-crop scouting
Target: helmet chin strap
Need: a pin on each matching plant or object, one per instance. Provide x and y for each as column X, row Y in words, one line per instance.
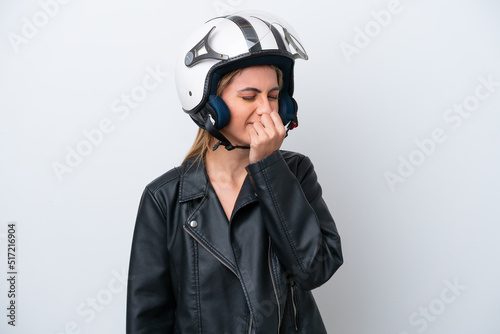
column 209, row 126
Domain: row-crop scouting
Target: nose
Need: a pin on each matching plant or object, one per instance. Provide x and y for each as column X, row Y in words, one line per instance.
column 265, row 106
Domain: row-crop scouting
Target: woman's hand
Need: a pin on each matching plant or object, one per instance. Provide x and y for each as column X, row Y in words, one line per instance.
column 266, row 136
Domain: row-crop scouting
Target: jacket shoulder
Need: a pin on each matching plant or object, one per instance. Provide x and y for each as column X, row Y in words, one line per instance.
column 290, row 156
column 165, row 180
column 295, row 159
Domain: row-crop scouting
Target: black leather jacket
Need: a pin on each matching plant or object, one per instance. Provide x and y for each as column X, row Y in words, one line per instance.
column 193, row 271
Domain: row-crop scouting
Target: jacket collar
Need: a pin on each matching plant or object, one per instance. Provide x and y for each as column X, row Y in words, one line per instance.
column 194, row 184
column 194, row 181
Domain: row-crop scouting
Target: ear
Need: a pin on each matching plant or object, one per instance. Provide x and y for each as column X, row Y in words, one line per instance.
column 219, row 111
column 287, row 107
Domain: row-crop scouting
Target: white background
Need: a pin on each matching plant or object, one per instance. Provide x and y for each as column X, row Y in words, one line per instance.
column 361, row 115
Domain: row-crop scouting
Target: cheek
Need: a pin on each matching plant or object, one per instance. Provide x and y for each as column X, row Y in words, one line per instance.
column 275, row 105
column 239, row 114
column 237, row 121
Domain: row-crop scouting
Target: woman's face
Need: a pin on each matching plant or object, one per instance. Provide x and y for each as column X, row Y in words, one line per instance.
column 250, row 94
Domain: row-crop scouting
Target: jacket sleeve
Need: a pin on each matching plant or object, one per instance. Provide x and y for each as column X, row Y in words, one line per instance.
column 297, row 219
column 150, row 300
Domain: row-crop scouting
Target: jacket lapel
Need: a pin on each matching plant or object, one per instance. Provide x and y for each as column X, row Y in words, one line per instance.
column 246, row 196
column 206, row 223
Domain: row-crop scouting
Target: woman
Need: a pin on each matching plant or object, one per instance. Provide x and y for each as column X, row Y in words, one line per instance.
column 234, row 240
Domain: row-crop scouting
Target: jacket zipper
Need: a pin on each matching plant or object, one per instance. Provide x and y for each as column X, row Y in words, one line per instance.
column 294, row 306
column 208, row 250
column 274, row 285
column 250, row 327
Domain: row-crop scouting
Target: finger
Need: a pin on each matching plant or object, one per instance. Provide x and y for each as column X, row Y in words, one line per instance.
column 259, row 128
column 267, row 121
column 260, row 134
column 253, row 135
column 273, row 125
column 278, row 123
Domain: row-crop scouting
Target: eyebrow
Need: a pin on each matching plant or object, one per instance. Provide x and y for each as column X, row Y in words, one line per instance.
column 252, row 89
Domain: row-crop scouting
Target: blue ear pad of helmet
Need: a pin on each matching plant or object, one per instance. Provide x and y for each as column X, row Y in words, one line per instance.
column 219, row 111
column 287, row 107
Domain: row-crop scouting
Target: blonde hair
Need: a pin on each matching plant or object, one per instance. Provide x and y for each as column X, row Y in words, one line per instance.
column 204, row 141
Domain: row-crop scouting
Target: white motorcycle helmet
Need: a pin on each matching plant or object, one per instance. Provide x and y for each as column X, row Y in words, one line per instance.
column 223, row 44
